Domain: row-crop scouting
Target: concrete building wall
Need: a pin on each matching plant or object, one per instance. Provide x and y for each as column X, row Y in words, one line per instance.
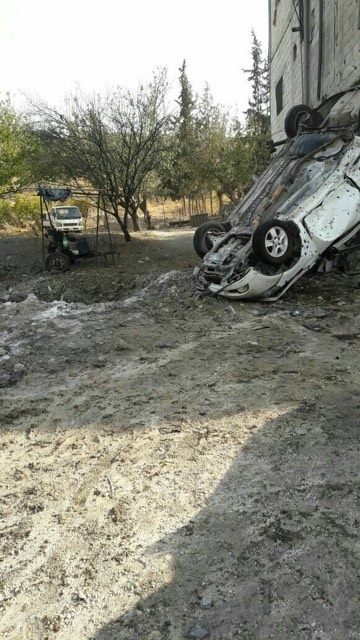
column 334, row 42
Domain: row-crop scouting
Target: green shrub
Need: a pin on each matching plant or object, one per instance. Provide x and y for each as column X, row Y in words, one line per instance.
column 26, row 208
column 5, row 211
column 22, row 210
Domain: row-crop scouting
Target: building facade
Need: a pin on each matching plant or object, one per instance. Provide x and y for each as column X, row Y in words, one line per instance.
column 314, row 52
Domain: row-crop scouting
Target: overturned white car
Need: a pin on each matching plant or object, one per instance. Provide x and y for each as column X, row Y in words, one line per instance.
column 303, row 212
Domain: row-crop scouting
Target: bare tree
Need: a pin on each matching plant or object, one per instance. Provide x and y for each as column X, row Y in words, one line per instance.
column 111, row 143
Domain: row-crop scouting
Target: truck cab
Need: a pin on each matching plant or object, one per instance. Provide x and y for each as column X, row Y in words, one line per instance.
column 64, row 218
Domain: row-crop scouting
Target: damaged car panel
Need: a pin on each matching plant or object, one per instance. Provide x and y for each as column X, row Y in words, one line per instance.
column 304, row 209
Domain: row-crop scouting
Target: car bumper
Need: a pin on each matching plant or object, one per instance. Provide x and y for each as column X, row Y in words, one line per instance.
column 252, row 285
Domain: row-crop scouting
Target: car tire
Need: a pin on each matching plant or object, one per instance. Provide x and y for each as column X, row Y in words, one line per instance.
column 57, row 261
column 201, row 240
column 275, row 241
column 299, row 114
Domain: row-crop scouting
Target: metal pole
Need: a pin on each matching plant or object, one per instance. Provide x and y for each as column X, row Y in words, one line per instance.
column 320, row 50
column 306, row 68
column 97, row 226
column 42, row 231
column 269, row 57
column 109, row 233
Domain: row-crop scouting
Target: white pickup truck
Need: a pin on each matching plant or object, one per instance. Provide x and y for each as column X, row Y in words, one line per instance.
column 64, row 218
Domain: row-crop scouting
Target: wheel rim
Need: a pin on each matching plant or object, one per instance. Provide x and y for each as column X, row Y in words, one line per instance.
column 276, row 242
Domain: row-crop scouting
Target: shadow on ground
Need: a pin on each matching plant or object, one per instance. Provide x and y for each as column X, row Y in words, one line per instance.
column 275, row 553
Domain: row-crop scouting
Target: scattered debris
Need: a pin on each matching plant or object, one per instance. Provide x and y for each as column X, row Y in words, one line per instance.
column 206, row 601
column 117, row 480
column 13, row 376
column 110, row 486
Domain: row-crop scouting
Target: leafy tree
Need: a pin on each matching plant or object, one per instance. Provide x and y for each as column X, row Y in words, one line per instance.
column 18, row 150
column 20, row 211
column 211, row 135
column 223, row 149
column 177, row 171
column 258, row 112
column 210, row 152
column 233, row 168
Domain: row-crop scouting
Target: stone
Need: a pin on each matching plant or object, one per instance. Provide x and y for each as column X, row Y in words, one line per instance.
column 230, row 309
column 206, row 601
column 12, row 377
column 121, row 345
column 197, row 632
column 5, row 380
column 19, row 368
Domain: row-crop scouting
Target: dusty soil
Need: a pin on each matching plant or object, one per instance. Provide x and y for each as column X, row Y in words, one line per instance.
column 173, row 465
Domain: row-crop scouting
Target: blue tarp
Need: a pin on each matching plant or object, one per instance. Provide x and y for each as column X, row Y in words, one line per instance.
column 53, row 195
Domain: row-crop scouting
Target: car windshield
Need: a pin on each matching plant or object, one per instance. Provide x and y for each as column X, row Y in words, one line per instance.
column 67, row 213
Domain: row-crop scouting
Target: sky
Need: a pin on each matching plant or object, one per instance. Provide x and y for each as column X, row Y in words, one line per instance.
column 49, row 47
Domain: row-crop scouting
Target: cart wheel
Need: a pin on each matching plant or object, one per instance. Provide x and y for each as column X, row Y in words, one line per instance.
column 57, row 262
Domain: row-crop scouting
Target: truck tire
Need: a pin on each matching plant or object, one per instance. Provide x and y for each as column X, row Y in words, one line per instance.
column 275, row 241
column 201, row 241
column 299, row 114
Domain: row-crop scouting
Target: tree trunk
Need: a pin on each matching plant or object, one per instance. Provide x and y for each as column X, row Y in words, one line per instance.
column 220, row 198
column 123, row 227
column 135, row 220
column 124, row 224
column 147, row 216
column 132, row 208
column 114, row 206
column 211, row 203
column 184, row 206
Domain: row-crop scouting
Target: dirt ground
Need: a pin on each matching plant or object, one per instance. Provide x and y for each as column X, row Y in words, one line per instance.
column 173, row 466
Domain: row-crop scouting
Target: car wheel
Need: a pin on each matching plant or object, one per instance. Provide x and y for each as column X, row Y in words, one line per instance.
column 57, row 262
column 274, row 241
column 202, row 241
column 298, row 115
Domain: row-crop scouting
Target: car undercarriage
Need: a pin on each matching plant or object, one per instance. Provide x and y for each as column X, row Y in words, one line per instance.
column 302, row 214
